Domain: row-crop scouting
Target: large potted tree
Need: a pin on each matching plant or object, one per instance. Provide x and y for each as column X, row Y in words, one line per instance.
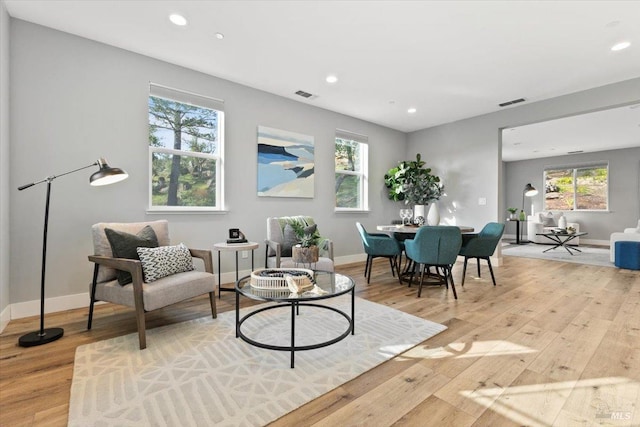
column 413, row 184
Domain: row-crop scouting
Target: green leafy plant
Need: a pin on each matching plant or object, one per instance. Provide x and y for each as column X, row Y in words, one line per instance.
column 412, row 183
column 512, row 210
column 305, row 239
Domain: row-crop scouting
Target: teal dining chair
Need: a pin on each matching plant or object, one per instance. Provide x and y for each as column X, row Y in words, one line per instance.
column 379, row 245
column 437, row 247
column 481, row 246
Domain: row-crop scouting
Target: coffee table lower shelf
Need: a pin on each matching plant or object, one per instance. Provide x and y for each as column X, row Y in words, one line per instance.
column 295, row 311
column 562, row 240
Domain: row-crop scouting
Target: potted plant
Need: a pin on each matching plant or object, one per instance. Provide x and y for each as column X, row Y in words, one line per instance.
column 512, row 212
column 306, row 251
column 414, row 184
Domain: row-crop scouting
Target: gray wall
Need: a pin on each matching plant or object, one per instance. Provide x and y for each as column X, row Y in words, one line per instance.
column 624, row 197
column 4, row 157
column 467, row 154
column 74, row 100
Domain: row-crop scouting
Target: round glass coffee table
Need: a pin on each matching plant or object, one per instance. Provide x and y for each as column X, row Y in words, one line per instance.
column 334, row 284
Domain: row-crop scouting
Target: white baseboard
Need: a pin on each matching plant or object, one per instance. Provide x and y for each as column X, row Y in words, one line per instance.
column 5, row 316
column 69, row 302
column 348, row 259
column 51, row 305
column 594, row 242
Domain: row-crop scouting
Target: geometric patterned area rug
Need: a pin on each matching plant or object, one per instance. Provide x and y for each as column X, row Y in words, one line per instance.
column 589, row 255
column 197, row 373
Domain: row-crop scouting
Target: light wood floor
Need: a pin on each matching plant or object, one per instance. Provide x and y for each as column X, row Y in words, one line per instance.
column 553, row 344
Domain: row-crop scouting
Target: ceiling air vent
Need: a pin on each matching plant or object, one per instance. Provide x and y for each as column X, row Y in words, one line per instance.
column 304, row 94
column 575, row 152
column 515, row 101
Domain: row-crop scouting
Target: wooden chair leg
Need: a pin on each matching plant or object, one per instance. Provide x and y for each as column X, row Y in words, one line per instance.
column 398, row 270
column 491, row 271
column 453, row 285
column 142, row 336
column 393, row 273
column 464, row 270
column 366, row 265
column 413, row 271
column 478, row 261
column 212, row 299
column 370, row 268
column 421, row 280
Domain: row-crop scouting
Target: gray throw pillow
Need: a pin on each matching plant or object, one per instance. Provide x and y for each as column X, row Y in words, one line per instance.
column 124, row 245
column 290, row 239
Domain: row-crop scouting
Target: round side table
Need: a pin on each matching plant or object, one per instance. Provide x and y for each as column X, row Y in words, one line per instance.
column 233, row 247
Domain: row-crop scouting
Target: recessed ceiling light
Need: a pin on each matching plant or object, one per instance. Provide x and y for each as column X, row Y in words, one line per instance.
column 178, row 19
column 619, row 46
column 411, row 110
column 331, row 78
column 219, row 36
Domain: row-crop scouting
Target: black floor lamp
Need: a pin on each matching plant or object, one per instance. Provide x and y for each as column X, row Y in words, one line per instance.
column 529, row 191
column 104, row 176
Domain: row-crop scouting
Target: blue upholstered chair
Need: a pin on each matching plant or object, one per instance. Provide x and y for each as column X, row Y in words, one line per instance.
column 435, row 247
column 481, row 246
column 378, row 245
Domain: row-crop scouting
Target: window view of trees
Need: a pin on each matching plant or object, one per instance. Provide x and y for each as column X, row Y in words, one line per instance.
column 183, row 141
column 350, row 176
column 584, row 188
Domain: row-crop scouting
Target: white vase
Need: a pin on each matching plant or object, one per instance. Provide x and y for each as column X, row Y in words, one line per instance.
column 433, row 218
column 562, row 222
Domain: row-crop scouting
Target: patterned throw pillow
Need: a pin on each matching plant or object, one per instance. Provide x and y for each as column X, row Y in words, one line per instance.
column 164, row 261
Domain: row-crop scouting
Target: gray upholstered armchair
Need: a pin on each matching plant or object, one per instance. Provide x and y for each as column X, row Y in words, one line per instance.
column 279, row 242
column 121, row 280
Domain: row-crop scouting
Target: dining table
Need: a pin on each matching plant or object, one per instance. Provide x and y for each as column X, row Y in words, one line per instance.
column 403, row 232
column 413, row 229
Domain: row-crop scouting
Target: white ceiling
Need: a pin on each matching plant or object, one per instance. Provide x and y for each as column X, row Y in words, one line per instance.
column 610, row 129
column 450, row 60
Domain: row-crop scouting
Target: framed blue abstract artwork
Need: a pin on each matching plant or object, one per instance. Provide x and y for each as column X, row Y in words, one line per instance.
column 285, row 163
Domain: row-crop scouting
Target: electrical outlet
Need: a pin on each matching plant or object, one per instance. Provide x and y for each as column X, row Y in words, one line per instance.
column 482, row 201
column 245, row 254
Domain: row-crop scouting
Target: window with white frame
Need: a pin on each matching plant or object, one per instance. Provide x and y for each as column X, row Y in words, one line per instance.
column 186, row 145
column 351, row 161
column 583, row 187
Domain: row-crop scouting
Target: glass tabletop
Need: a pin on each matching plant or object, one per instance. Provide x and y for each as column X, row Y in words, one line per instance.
column 333, row 284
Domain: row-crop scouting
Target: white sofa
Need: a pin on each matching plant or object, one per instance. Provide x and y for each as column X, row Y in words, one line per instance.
column 629, row 235
column 546, row 221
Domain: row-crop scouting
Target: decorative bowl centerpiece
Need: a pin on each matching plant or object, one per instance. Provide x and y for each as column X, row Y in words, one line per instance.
column 276, row 278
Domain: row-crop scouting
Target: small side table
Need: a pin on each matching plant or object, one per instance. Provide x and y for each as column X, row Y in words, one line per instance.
column 233, row 247
column 519, row 241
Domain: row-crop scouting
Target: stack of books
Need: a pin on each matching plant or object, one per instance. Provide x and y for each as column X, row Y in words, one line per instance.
column 239, row 240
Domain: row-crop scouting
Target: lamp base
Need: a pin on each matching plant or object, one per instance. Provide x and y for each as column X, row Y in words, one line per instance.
column 36, row 338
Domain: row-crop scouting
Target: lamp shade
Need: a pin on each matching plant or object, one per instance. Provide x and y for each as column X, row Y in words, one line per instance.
column 529, row 190
column 107, row 175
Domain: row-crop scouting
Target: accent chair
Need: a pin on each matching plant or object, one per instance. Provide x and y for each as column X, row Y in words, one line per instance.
column 165, row 276
column 481, row 246
column 379, row 245
column 435, row 246
column 281, row 238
